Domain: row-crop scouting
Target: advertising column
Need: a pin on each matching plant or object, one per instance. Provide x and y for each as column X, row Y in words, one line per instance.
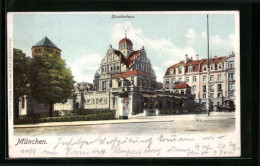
column 123, row 105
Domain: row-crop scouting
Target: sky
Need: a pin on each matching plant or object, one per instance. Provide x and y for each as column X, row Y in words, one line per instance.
column 84, row 38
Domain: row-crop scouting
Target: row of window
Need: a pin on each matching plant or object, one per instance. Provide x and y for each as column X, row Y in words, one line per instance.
column 125, row 46
column 212, row 67
column 211, row 95
column 145, row 68
column 141, row 82
column 110, row 67
column 231, row 77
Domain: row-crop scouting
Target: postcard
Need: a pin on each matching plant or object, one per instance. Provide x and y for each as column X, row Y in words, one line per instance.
column 123, row 84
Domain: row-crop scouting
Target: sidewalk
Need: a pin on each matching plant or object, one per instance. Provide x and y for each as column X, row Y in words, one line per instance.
column 137, row 119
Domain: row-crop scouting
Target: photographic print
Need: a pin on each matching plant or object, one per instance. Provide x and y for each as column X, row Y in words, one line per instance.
column 123, row 84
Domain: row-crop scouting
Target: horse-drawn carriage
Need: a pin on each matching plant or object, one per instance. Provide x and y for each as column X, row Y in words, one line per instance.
column 228, row 105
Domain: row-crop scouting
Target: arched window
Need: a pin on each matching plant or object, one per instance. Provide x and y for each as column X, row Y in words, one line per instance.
column 205, row 68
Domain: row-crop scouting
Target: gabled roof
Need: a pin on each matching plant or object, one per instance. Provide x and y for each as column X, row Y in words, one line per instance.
column 45, row 42
column 132, row 73
column 123, row 59
column 125, row 40
column 181, row 86
column 132, row 56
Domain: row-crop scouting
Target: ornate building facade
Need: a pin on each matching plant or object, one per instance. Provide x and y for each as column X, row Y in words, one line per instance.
column 194, row 74
column 126, row 70
column 124, row 67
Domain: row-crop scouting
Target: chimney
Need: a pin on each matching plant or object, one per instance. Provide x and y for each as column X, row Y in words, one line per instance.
column 186, row 58
column 197, row 57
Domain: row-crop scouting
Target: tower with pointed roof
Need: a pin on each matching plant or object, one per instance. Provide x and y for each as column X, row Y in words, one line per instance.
column 125, row 46
column 45, row 46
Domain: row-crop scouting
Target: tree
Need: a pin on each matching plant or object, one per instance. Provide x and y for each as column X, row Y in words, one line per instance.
column 21, row 67
column 50, row 80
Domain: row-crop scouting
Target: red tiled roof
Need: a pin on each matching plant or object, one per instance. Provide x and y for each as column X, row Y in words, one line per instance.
column 195, row 64
column 123, row 59
column 131, row 73
column 125, row 40
column 180, row 86
column 132, row 56
column 172, row 67
column 214, row 60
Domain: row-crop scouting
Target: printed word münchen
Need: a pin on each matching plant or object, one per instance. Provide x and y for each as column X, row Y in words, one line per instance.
column 32, row 141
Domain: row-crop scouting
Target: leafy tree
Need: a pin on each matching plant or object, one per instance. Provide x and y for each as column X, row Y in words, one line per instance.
column 50, row 80
column 21, row 67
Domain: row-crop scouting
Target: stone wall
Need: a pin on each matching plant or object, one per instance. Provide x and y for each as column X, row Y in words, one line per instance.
column 97, row 100
column 65, row 106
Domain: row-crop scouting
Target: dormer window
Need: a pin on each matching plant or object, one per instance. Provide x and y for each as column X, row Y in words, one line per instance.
column 205, row 68
column 220, row 66
column 171, row 71
column 190, row 69
column 212, row 67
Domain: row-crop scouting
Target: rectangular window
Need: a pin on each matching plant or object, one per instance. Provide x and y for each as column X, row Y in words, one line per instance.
column 211, row 88
column 190, row 69
column 231, row 94
column 219, row 94
column 180, row 70
column 219, row 66
column 187, row 79
column 211, row 95
column 104, row 85
column 204, row 96
column 231, row 64
column 219, row 87
column 171, row 71
column 212, row 78
column 194, row 78
column 212, row 67
column 194, row 88
column 231, row 86
column 180, row 79
column 219, row 77
column 204, row 79
column 173, row 80
column 204, row 88
column 167, row 82
column 231, row 76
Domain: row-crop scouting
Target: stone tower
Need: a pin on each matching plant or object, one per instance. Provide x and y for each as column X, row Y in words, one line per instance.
column 45, row 46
